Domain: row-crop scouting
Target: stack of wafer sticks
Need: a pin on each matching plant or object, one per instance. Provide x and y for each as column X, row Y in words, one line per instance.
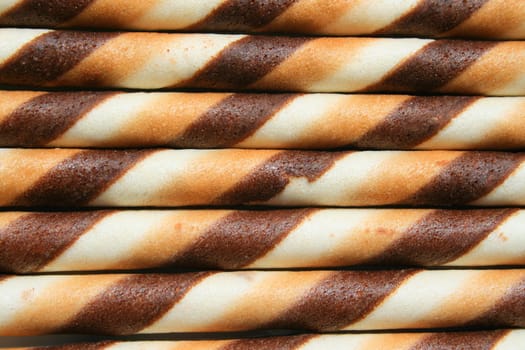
column 264, row 174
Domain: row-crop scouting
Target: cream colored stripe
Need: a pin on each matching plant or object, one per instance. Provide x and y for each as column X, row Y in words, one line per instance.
column 21, row 168
column 7, row 5
column 170, row 345
column 369, row 178
column 402, row 341
column 29, row 304
column 369, row 16
column 13, row 39
column 509, row 341
column 175, row 14
column 11, row 100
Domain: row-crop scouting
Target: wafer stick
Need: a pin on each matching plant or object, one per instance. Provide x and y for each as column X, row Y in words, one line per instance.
column 241, row 301
column 49, row 58
column 227, row 239
column 474, row 18
column 489, row 340
column 74, row 178
column 211, row 120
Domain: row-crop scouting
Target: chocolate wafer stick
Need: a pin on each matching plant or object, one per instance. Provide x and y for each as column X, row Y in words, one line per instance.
column 212, row 120
column 474, row 18
column 241, row 301
column 489, row 340
column 50, row 58
column 126, row 178
column 233, row 239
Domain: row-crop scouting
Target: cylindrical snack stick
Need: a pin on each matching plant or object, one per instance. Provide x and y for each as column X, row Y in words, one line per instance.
column 472, row 18
column 153, row 177
column 37, row 57
column 298, row 121
column 240, row 301
column 488, row 340
column 234, row 239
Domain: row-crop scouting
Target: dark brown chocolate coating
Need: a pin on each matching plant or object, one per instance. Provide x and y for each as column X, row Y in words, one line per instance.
column 45, row 117
column 270, row 343
column 240, row 238
column 464, row 341
column 467, row 178
column 30, row 242
column 132, row 304
column 232, row 120
column 271, row 178
column 414, row 121
column 433, row 66
column 240, row 15
column 79, row 179
column 441, row 237
column 340, row 300
column 43, row 13
column 433, row 17
column 245, row 61
column 49, row 56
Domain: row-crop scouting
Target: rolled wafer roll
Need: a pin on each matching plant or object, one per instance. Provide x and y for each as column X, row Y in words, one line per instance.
column 128, row 178
column 50, row 58
column 233, row 239
column 241, row 301
column 212, row 120
column 489, row 340
column 474, row 18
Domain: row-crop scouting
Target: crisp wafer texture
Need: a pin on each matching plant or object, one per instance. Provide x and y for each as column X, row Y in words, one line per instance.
column 240, row 301
column 38, row 57
column 472, row 18
column 299, row 121
column 234, row 239
column 487, row 340
column 128, row 178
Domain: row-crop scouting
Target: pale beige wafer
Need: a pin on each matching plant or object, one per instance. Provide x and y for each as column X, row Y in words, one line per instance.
column 234, row 239
column 161, row 177
column 241, row 301
column 488, row 340
column 299, row 121
column 39, row 57
column 472, row 18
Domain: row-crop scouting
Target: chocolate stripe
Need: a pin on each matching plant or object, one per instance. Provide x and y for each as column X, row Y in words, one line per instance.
column 464, row 341
column 79, row 179
column 33, row 240
column 79, row 346
column 441, row 236
column 432, row 17
column 340, row 300
column 240, row 238
column 232, row 120
column 49, row 56
column 43, row 13
column 132, row 303
column 245, row 61
column 467, row 178
column 414, row 121
column 46, row 117
column 509, row 311
column 239, row 15
column 281, row 343
column 272, row 176
column 433, row 66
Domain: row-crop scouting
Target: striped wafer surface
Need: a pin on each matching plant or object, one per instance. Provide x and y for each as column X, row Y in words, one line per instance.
column 39, row 57
column 472, row 18
column 233, row 239
column 300, row 121
column 128, row 178
column 486, row 340
column 238, row 301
